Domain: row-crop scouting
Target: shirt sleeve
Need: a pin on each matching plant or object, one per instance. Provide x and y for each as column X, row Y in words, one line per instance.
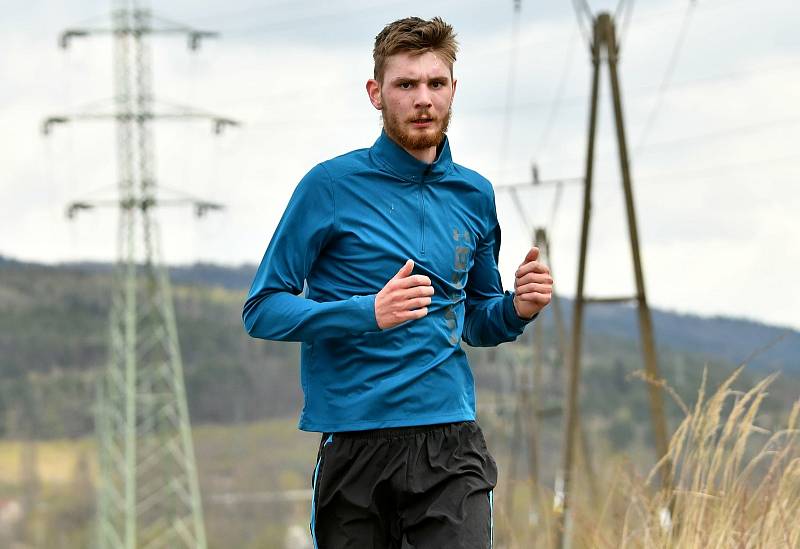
column 274, row 309
column 489, row 316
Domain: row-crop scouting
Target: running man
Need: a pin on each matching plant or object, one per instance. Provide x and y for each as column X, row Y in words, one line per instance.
column 397, row 247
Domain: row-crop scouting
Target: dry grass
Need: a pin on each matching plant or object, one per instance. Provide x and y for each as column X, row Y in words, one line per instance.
column 730, row 490
column 736, row 485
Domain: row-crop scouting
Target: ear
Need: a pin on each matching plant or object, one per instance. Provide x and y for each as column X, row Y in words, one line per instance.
column 454, row 90
column 374, row 93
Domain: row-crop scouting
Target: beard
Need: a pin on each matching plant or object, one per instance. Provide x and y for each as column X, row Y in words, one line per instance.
column 398, row 128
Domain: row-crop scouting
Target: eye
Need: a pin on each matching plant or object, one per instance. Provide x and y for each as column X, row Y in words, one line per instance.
column 436, row 85
column 405, row 85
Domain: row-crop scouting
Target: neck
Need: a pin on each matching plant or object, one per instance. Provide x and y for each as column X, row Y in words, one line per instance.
column 423, row 155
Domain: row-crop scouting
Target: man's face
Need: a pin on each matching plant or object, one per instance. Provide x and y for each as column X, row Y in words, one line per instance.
column 415, row 98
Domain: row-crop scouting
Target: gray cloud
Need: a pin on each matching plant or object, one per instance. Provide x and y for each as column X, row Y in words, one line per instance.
column 715, row 184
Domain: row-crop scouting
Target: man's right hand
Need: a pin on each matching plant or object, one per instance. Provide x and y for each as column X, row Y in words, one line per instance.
column 405, row 297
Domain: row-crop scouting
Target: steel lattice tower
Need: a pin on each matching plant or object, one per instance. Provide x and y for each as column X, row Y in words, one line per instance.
column 148, row 494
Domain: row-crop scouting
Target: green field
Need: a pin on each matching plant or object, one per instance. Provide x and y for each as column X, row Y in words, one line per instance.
column 243, row 471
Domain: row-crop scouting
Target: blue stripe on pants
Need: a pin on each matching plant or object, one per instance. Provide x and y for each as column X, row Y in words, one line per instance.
column 314, row 491
column 491, row 519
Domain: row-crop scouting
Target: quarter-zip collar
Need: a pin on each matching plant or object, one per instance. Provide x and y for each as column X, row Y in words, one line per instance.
column 395, row 159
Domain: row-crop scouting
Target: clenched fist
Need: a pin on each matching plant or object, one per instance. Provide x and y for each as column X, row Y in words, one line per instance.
column 405, row 297
column 533, row 286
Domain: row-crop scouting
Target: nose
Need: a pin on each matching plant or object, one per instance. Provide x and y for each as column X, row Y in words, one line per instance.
column 423, row 98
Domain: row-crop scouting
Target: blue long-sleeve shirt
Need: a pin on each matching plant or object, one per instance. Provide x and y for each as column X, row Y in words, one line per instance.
column 350, row 225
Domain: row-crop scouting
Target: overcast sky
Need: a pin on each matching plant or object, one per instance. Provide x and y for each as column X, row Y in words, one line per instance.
column 715, row 169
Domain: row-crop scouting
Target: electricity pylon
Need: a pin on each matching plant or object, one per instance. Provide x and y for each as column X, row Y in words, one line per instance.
column 148, row 493
column 604, row 39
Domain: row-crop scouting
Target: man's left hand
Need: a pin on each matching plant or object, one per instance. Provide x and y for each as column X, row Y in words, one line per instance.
column 533, row 286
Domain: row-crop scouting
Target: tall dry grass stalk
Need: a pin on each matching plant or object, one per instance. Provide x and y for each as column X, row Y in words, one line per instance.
column 730, row 491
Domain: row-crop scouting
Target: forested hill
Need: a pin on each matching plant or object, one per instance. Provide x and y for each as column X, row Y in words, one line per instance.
column 729, row 339
column 53, row 328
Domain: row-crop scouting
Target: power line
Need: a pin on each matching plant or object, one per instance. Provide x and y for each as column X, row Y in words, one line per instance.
column 738, row 130
column 511, row 85
column 713, row 171
column 657, row 16
column 665, row 82
column 306, row 16
column 560, row 99
column 569, row 99
column 259, row 9
column 583, row 13
column 556, row 104
column 250, row 10
column 699, row 172
column 628, row 7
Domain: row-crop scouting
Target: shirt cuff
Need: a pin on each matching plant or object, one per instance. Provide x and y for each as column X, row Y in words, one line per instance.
column 364, row 309
column 513, row 320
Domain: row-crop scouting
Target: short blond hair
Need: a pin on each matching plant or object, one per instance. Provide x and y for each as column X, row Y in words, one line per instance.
column 416, row 36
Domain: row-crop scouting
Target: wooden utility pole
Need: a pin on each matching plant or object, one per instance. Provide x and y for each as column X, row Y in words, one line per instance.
column 604, row 39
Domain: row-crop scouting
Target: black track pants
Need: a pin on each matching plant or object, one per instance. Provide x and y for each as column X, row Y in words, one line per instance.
column 426, row 487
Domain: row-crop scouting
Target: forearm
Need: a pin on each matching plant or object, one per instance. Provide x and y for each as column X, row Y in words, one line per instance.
column 282, row 316
column 492, row 321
